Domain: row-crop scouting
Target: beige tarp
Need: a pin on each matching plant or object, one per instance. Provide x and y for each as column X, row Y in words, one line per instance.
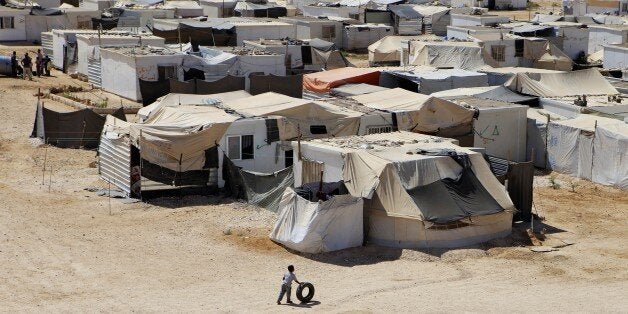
column 176, row 138
column 584, row 82
column 546, row 55
column 174, row 100
column 300, row 113
column 422, row 113
column 459, row 55
column 387, row 48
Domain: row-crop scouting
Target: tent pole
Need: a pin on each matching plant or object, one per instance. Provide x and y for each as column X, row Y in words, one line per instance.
column 546, row 136
column 109, row 197
column 43, row 172
column 179, row 173
column 299, row 140
column 139, row 140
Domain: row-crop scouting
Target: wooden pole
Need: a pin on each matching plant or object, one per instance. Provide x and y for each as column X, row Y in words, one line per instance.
column 546, row 137
column 43, row 172
column 299, row 141
column 179, row 37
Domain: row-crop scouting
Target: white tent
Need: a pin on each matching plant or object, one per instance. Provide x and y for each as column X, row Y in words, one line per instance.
column 421, row 191
column 315, row 227
column 459, row 55
column 536, row 135
column 590, row 147
column 583, row 82
column 388, row 48
column 174, row 100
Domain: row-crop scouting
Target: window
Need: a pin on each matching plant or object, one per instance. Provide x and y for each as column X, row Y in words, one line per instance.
column 497, row 52
column 519, row 48
column 318, row 129
column 379, row 129
column 167, row 72
column 240, row 147
column 329, row 31
column 7, row 22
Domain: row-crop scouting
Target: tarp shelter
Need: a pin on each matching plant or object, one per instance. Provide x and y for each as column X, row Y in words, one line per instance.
column 360, row 36
column 428, row 82
column 270, row 10
column 420, row 191
column 175, row 100
column 420, row 113
column 349, row 90
column 208, row 33
column 322, row 82
column 151, row 91
column 76, row 129
column 499, row 76
column 306, row 117
column 316, row 226
column 290, row 85
column 590, row 147
column 327, row 54
column 260, row 189
column 445, row 54
column 583, row 82
column 499, row 93
column 387, row 49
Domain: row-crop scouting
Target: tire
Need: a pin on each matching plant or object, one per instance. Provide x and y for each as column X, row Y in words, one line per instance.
column 310, row 292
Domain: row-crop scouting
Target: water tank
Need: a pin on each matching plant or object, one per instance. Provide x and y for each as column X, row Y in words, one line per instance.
column 5, row 65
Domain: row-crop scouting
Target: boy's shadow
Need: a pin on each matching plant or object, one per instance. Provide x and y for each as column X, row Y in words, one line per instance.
column 305, row 305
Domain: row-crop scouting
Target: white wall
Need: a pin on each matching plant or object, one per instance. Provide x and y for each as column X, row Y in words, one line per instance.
column 575, row 40
column 599, row 36
column 502, row 132
column 509, row 52
column 269, row 64
column 615, row 57
column 14, row 34
column 331, row 158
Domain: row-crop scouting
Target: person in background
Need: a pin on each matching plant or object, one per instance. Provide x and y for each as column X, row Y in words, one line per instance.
column 39, row 63
column 27, row 64
column 286, row 284
column 14, row 64
column 47, row 65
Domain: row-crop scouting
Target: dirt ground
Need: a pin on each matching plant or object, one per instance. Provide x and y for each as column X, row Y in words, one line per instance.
column 65, row 249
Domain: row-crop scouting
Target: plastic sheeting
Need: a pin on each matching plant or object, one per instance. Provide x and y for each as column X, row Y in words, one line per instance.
column 428, row 82
column 151, row 90
column 77, row 129
column 291, row 85
column 316, row 227
column 583, row 82
column 260, row 189
column 322, row 82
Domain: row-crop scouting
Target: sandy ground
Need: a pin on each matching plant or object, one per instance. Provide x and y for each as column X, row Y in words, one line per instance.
column 65, row 249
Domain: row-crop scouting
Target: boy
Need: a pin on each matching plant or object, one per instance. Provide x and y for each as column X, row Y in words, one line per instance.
column 286, row 285
column 27, row 64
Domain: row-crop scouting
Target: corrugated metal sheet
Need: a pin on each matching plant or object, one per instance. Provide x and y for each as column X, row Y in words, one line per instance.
column 114, row 162
column 46, row 43
column 94, row 72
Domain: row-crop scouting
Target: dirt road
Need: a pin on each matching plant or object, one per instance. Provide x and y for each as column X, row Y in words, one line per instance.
column 66, row 249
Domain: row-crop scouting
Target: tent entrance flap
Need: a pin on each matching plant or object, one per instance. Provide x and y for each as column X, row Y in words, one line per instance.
column 448, row 200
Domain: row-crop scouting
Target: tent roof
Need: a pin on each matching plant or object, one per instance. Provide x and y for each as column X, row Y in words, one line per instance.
column 588, row 122
column 268, row 104
column 499, row 93
column 356, row 89
column 174, row 100
column 325, row 80
column 189, row 116
column 583, row 82
column 391, row 44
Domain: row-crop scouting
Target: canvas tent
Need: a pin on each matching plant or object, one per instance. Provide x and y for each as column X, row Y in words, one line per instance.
column 175, row 100
column 77, row 129
column 316, row 226
column 322, row 82
column 457, row 55
column 421, row 113
column 590, row 147
column 387, row 49
column 306, row 117
column 583, row 82
column 420, row 191
column 537, row 136
column 348, row 90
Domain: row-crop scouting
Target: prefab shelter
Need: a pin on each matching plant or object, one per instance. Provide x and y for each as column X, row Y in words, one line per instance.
column 312, row 54
column 121, row 69
column 44, row 20
column 13, row 26
column 590, row 147
column 308, row 27
column 615, row 56
column 322, row 82
column 419, row 191
column 499, row 128
column 87, row 46
column 309, row 225
column 62, row 47
column 410, row 19
column 360, row 36
column 428, row 82
column 600, row 35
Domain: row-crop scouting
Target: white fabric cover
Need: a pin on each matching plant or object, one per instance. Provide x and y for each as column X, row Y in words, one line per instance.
column 583, row 82
column 610, row 161
column 388, row 48
column 316, row 227
column 459, row 55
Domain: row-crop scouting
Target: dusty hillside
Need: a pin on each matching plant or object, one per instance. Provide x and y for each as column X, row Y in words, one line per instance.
column 66, row 249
